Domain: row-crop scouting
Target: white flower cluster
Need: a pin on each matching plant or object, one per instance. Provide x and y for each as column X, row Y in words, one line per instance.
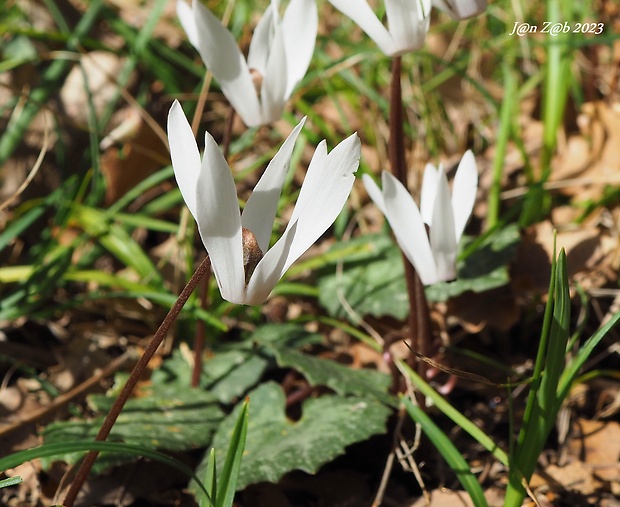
column 258, row 88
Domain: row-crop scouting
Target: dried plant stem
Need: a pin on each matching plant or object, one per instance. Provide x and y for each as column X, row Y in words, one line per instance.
column 419, row 320
column 135, row 375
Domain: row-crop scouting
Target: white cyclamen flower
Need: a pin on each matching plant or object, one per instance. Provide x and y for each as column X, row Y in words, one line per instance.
column 407, row 23
column 433, row 255
column 279, row 56
column 461, row 9
column 245, row 267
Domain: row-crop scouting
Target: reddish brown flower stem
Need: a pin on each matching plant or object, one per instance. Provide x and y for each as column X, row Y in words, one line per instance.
column 135, row 375
column 419, row 320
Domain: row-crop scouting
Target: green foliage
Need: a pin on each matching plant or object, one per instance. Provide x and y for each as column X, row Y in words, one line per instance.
column 449, row 452
column 551, row 383
column 276, row 445
column 341, row 379
column 221, row 488
column 372, row 279
column 11, row 481
column 162, row 417
column 68, row 448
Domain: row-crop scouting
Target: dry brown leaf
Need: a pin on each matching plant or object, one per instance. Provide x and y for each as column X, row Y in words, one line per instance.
column 597, row 443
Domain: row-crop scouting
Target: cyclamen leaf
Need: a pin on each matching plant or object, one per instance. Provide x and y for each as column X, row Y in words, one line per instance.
column 165, row 417
column 276, row 445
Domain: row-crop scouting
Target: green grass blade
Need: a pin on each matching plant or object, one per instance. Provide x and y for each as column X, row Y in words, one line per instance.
column 11, row 481
column 227, row 481
column 572, row 370
column 449, row 452
column 459, row 419
column 118, row 242
column 558, row 340
column 61, row 448
column 505, row 126
column 50, row 82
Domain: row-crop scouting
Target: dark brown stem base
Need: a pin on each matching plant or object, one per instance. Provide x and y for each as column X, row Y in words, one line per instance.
column 135, row 375
column 419, row 320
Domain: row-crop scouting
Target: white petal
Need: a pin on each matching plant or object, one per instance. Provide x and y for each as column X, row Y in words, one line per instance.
column 408, row 227
column 260, row 209
column 220, row 53
column 443, row 243
column 270, row 268
column 299, row 26
column 407, row 23
column 461, row 9
column 464, row 191
column 184, row 154
column 324, row 192
column 219, row 222
column 258, row 53
column 374, row 192
column 186, row 17
column 427, row 195
column 360, row 12
column 273, row 89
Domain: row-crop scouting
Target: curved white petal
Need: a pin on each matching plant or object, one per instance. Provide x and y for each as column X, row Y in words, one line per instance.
column 407, row 23
column 184, row 154
column 443, row 242
column 258, row 53
column 299, row 26
column 360, row 12
column 260, row 209
column 427, row 195
column 464, row 191
column 461, row 9
column 219, row 222
column 273, row 89
column 270, row 268
column 186, row 17
column 220, row 53
column 374, row 192
column 325, row 189
column 406, row 222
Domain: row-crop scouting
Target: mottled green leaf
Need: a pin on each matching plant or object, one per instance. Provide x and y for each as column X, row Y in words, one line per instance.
column 342, row 380
column 373, row 283
column 163, row 417
column 372, row 279
column 276, row 445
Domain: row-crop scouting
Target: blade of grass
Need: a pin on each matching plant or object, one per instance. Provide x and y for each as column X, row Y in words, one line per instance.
column 118, row 242
column 227, row 481
column 572, row 370
column 459, row 419
column 50, row 82
column 505, row 123
column 11, row 481
column 449, row 452
column 60, row 448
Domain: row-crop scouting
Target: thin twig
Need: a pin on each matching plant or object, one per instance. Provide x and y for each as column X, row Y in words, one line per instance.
column 133, row 379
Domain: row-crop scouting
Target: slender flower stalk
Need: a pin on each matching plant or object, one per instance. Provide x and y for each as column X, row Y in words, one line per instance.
column 434, row 254
column 132, row 381
column 279, row 56
column 245, row 267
